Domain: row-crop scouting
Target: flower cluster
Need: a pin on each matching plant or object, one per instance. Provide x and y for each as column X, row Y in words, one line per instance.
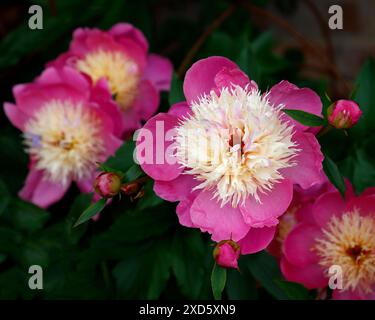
column 232, row 157
column 76, row 113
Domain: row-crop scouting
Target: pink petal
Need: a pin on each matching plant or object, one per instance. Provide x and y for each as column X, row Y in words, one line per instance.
column 299, row 243
column 86, row 186
column 155, row 148
column 125, row 30
column 131, row 121
column 222, row 223
column 308, row 170
column 326, row 206
column 364, row 203
column 147, row 100
column 272, row 204
column 200, row 78
column 183, row 211
column 180, row 110
column 101, row 94
column 257, row 239
column 159, row 72
column 32, row 180
column 15, row 116
column 177, row 189
column 228, row 77
column 294, row 98
column 41, row 192
column 311, row 276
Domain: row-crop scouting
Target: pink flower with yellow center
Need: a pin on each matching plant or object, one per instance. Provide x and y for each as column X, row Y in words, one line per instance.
column 230, row 155
column 334, row 233
column 68, row 126
column 299, row 208
column 120, row 56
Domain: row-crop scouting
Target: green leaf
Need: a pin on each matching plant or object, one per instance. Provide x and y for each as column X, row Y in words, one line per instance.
column 80, row 203
column 364, row 170
column 294, row 291
column 188, row 254
column 305, row 118
column 91, row 211
column 218, row 280
column 133, row 173
column 334, row 175
column 150, row 199
column 123, row 159
column 364, row 95
column 265, row 269
column 176, row 93
column 144, row 275
column 4, row 197
column 241, row 285
column 105, row 168
column 26, row 216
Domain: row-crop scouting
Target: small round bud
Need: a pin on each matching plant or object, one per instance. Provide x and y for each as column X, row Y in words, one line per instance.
column 227, row 253
column 107, row 184
column 344, row 114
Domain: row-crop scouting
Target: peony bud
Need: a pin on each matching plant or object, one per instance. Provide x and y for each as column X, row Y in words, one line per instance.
column 107, row 184
column 344, row 114
column 226, row 254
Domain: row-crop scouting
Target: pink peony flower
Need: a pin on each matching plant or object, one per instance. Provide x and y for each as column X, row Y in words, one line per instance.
column 299, row 208
column 230, row 155
column 344, row 114
column 227, row 253
column 107, row 184
column 120, row 56
column 334, row 245
column 67, row 126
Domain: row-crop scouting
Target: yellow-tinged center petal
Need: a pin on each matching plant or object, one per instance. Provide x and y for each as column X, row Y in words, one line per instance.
column 235, row 143
column 349, row 242
column 65, row 141
column 120, row 71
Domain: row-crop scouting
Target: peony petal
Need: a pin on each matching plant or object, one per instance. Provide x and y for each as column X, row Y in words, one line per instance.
column 364, row 203
column 155, row 150
column 308, row 170
column 177, row 189
column 147, row 100
column 126, row 30
column 272, row 204
column 228, row 77
column 159, row 72
column 257, row 239
column 180, row 110
column 311, row 276
column 183, row 211
column 200, row 78
column 326, row 206
column 32, row 180
column 15, row 116
column 222, row 223
column 46, row 193
column 292, row 97
column 299, row 243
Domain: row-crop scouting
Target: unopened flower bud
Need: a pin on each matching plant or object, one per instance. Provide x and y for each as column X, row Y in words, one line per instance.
column 107, row 184
column 227, row 253
column 344, row 114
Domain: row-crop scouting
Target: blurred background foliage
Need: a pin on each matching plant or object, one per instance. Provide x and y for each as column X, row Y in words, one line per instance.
column 137, row 249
